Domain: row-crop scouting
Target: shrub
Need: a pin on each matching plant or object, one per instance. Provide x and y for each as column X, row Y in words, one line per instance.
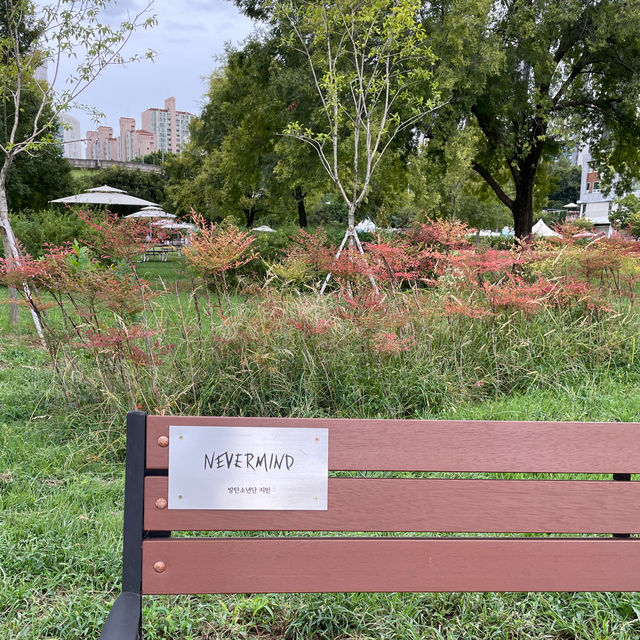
column 35, row 229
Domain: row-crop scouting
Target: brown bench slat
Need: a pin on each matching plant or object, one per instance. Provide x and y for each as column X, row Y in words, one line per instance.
column 374, row 504
column 449, row 445
column 348, row 565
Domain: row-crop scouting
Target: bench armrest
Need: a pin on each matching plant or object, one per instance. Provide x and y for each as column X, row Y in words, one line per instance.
column 123, row 621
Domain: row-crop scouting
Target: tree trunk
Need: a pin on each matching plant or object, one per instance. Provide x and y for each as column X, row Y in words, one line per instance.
column 299, row 195
column 11, row 251
column 351, row 223
column 522, row 211
column 8, row 253
column 13, row 292
column 249, row 216
column 522, row 207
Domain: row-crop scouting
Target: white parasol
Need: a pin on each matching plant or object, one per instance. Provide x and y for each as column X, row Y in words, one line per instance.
column 165, row 224
column 105, row 195
column 152, row 211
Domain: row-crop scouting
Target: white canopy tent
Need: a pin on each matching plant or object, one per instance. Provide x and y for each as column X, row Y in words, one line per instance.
column 540, row 228
column 366, row 226
column 105, row 195
column 152, row 211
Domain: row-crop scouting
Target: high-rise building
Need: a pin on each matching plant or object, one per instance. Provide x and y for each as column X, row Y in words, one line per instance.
column 170, row 126
column 162, row 130
column 132, row 143
column 101, row 145
column 125, row 148
column 71, row 136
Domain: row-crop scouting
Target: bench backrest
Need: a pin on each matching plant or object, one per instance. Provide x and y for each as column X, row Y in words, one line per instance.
column 370, row 508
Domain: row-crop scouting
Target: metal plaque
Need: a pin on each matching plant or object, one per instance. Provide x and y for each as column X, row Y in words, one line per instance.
column 248, row 468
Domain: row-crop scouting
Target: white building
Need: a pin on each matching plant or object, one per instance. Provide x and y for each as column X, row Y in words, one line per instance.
column 71, row 136
column 596, row 205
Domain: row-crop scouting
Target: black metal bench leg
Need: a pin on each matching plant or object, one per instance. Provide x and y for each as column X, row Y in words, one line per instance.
column 125, row 618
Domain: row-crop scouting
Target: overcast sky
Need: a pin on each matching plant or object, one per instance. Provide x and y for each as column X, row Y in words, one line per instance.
column 187, row 38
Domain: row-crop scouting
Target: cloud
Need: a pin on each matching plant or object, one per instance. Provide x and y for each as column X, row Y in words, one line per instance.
column 189, row 34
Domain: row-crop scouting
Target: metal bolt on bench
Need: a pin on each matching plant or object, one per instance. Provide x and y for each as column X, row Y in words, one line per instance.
column 603, row 560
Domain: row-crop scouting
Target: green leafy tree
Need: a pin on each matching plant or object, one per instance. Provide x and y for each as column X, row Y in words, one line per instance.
column 36, row 178
column 626, row 214
column 564, row 179
column 142, row 184
column 237, row 163
column 531, row 73
column 369, row 62
column 35, row 36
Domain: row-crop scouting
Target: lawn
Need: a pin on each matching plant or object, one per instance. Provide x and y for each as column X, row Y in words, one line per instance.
column 61, row 472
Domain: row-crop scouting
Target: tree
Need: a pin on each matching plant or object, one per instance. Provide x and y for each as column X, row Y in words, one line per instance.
column 148, row 185
column 35, row 179
column 626, row 214
column 370, row 65
column 530, row 73
column 231, row 149
column 237, row 162
column 35, row 37
column 564, row 177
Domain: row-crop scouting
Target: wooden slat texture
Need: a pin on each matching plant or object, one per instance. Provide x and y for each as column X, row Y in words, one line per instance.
column 348, row 565
column 373, row 504
column 449, row 445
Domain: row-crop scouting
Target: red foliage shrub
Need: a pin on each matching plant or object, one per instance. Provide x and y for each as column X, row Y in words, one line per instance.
column 391, row 263
column 311, row 248
column 121, row 344
column 119, row 239
column 215, row 250
column 443, row 234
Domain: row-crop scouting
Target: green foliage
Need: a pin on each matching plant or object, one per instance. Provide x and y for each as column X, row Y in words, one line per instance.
column 35, row 228
column 33, row 180
column 236, row 163
column 564, row 180
column 148, row 185
column 626, row 214
column 41, row 175
column 534, row 76
column 444, row 185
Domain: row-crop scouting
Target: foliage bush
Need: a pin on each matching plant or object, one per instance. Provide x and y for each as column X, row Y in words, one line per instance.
column 452, row 322
column 37, row 228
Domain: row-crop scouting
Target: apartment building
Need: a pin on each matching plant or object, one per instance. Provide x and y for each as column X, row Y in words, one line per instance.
column 135, row 143
column 162, row 130
column 170, row 126
column 101, row 145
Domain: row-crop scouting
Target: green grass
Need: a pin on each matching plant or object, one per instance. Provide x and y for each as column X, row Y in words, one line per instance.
column 61, row 483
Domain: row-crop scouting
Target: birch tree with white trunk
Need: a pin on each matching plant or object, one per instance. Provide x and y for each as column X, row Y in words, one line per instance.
column 371, row 65
column 59, row 32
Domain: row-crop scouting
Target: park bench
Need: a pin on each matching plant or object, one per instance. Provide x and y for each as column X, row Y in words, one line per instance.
column 602, row 505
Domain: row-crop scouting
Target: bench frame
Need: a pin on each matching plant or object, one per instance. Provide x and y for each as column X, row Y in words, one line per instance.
column 124, row 621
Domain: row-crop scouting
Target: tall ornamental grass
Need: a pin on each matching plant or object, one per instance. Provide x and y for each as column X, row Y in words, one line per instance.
column 453, row 322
